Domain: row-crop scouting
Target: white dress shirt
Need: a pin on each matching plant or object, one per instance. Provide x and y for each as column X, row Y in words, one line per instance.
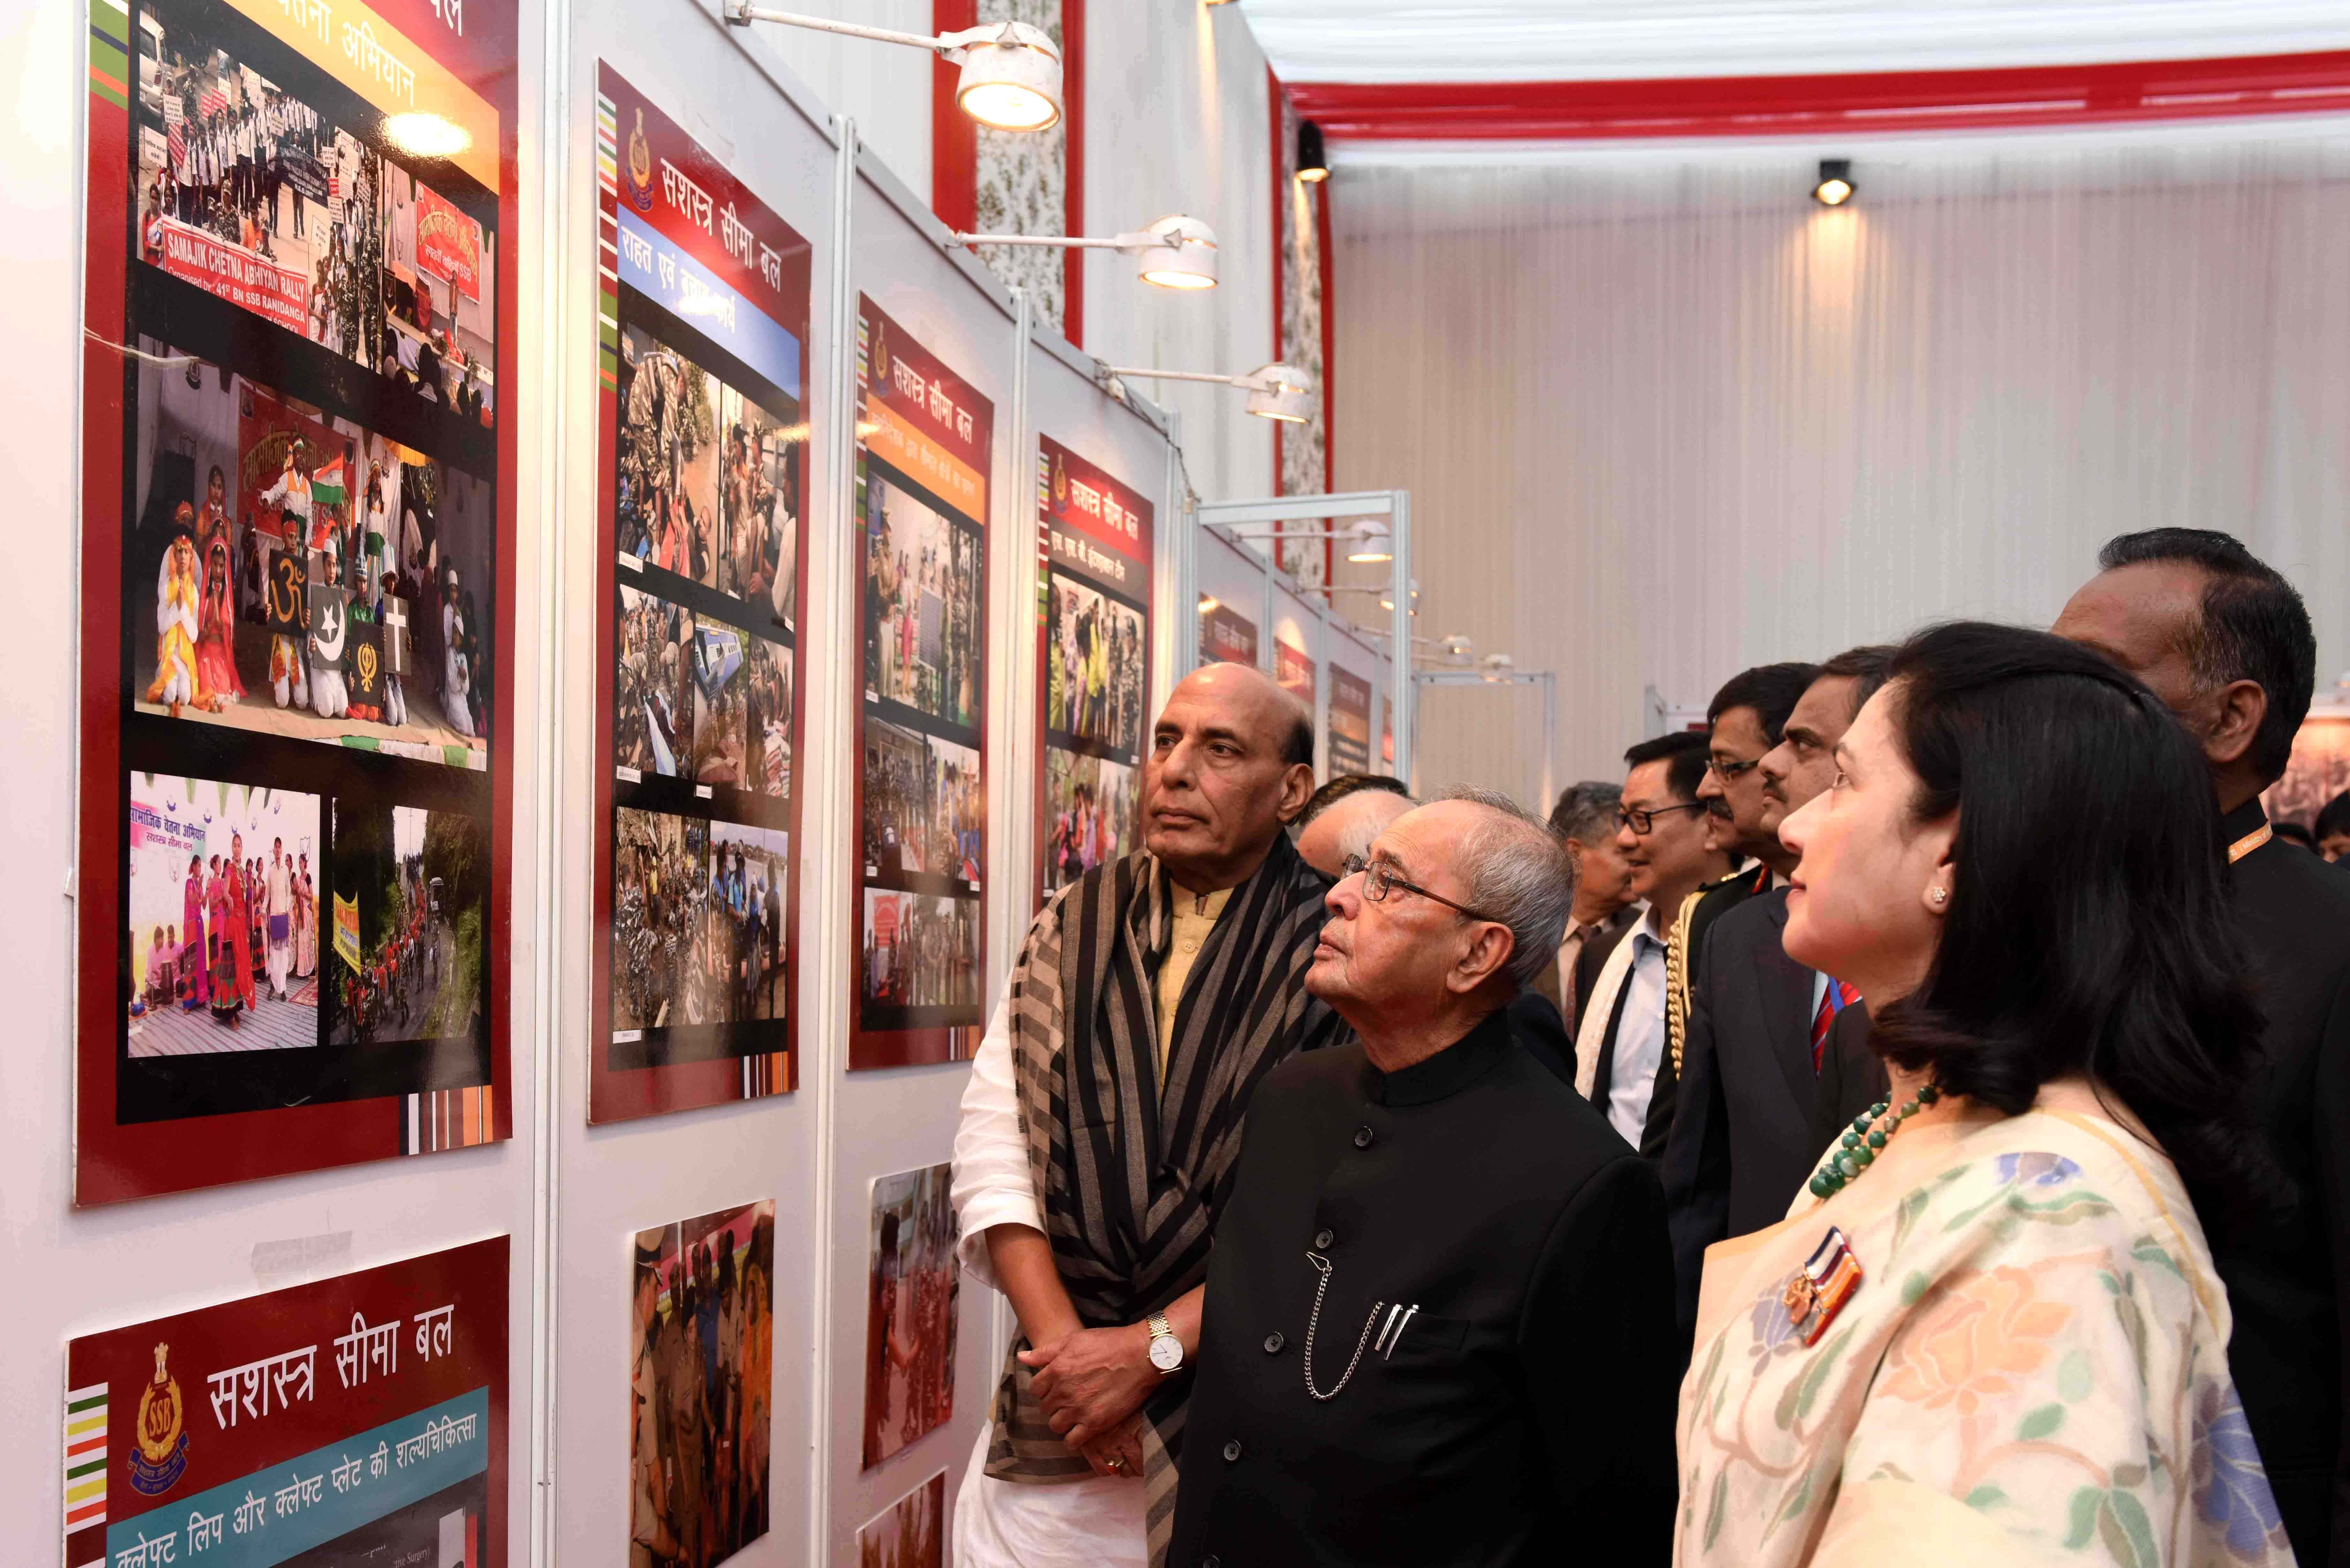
column 1097, row 1522
column 1639, row 1036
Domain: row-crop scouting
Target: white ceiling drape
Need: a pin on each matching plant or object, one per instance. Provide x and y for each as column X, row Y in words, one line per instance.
column 1664, row 420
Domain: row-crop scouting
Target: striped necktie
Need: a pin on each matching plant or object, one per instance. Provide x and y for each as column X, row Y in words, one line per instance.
column 1835, row 997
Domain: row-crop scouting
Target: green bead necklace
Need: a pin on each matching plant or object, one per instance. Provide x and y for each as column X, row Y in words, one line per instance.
column 1864, row 1140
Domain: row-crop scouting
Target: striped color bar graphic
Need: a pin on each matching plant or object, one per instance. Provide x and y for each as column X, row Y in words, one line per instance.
column 84, row 1457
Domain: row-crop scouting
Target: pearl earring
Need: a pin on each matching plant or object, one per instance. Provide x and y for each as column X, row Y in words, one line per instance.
column 1938, row 895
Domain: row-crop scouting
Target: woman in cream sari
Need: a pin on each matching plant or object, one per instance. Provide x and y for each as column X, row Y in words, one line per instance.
column 1991, row 1333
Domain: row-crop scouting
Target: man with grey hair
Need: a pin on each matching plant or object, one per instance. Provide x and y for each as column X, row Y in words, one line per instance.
column 1344, row 815
column 1487, row 1257
column 1605, row 908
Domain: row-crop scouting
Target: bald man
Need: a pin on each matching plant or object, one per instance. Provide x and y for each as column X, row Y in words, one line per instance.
column 1344, row 815
column 1151, row 997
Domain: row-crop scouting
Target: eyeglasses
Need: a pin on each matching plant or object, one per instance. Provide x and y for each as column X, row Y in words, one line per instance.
column 1640, row 821
column 1380, row 878
column 1726, row 772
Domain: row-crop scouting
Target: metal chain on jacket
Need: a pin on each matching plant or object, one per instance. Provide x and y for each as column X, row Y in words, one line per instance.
column 1323, row 1265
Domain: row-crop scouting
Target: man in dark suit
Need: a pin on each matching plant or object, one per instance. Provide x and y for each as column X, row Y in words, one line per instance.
column 1738, row 1149
column 1621, row 1058
column 1469, row 1266
column 1605, row 908
column 2226, row 643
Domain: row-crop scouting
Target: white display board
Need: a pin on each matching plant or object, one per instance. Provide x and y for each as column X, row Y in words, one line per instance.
column 610, row 1182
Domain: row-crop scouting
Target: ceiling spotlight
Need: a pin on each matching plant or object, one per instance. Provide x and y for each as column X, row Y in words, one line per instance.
column 1011, row 71
column 1176, row 252
column 1313, row 165
column 1275, row 392
column 1835, row 188
column 1371, row 543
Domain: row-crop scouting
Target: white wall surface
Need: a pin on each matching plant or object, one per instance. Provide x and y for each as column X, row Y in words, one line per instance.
column 1663, row 417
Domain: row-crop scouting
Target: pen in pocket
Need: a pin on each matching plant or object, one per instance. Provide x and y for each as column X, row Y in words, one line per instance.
column 1391, row 1334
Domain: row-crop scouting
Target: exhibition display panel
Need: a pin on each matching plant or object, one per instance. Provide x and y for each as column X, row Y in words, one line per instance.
column 298, row 565
column 702, row 382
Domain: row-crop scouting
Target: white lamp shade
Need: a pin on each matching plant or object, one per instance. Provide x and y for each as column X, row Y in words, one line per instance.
column 1011, row 79
column 1371, row 542
column 1184, row 255
column 1282, row 392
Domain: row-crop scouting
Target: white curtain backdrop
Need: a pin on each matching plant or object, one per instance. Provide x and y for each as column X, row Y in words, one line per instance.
column 1663, row 417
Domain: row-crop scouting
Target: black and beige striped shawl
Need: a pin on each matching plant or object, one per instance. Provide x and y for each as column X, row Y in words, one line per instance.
column 1130, row 1176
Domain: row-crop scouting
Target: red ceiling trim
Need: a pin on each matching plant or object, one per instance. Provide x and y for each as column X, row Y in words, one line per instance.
column 1865, row 103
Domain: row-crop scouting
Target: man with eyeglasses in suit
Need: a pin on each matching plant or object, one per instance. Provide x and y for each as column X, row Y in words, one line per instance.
column 1621, row 1061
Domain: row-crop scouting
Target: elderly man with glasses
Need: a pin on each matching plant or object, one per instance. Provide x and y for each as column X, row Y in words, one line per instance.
column 1438, row 1320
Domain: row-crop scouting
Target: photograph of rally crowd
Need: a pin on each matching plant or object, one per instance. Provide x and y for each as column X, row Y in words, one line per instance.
column 699, row 911
column 1095, row 649
column 910, row 1352
column 923, row 585
column 242, row 186
column 921, row 950
column 291, row 572
column 700, row 1383
column 223, row 939
column 924, row 806
column 404, row 923
column 708, row 485
column 1092, row 810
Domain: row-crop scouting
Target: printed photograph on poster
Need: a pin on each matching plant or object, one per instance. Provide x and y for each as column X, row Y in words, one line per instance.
column 224, row 935
column 1095, row 646
column 912, row 1532
column 2319, row 769
column 654, row 698
column 660, row 887
column 924, row 804
column 1293, row 671
column 922, row 951
column 1092, row 814
column 745, row 916
column 407, row 891
column 248, row 192
column 1226, row 636
column 294, row 573
column 922, row 584
column 910, row 1338
column 1348, row 747
column 767, row 691
column 701, row 1386
column 357, row 1419
column 438, row 276
column 708, row 480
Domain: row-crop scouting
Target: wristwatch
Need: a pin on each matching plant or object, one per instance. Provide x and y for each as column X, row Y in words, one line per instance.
column 1165, row 1350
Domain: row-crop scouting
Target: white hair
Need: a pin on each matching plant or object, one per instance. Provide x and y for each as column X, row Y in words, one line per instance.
column 1518, row 872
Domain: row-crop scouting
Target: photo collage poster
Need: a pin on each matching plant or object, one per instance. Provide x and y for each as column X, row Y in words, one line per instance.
column 1093, row 663
column 1347, row 749
column 920, row 514
column 360, row 1418
column 910, row 1327
column 702, row 1334
column 1226, row 636
column 297, row 537
column 703, row 384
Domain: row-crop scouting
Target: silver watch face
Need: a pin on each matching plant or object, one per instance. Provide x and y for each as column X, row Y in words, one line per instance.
column 1166, row 1351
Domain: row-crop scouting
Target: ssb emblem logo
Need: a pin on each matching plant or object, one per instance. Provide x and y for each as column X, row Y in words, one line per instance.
column 640, row 166
column 160, row 1441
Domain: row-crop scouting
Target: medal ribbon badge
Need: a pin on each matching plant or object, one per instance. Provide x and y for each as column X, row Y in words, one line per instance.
column 1815, row 1293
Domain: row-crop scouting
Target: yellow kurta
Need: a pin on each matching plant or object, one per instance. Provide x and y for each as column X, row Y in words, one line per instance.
column 2032, row 1370
column 1195, row 917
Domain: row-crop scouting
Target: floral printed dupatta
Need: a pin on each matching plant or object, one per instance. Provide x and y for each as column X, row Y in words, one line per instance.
column 2032, row 1369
